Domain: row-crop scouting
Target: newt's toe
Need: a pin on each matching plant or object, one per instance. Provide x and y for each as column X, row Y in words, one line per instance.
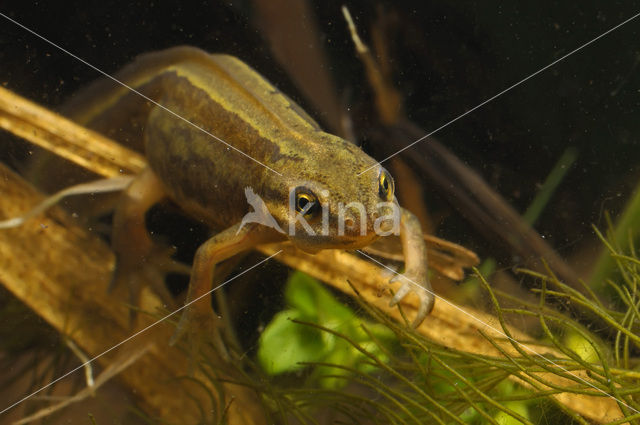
column 427, row 301
column 422, row 287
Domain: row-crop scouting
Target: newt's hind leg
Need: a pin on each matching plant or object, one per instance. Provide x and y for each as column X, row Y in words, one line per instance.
column 132, row 244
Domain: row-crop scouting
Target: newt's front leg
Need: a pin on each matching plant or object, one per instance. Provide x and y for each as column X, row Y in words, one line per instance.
column 198, row 314
column 416, row 276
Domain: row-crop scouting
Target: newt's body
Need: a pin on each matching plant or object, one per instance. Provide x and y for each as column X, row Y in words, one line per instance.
column 207, row 177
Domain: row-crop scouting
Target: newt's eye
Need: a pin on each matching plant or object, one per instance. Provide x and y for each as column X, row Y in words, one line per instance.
column 306, row 202
column 385, row 185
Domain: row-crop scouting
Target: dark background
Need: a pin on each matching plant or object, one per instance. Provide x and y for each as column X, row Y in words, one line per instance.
column 447, row 58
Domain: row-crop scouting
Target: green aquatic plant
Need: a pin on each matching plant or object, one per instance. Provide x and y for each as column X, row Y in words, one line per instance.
column 413, row 380
column 624, row 233
column 286, row 345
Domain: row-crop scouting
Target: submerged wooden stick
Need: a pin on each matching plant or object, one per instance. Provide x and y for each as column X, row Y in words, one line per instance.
column 65, row 138
column 62, row 272
column 95, row 320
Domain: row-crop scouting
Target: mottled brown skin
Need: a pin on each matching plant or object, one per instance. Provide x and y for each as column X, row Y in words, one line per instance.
column 225, row 97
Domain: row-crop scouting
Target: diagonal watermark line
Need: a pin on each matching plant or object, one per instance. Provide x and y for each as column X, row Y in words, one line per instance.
column 136, row 334
column 544, row 68
column 500, row 332
column 137, row 92
column 269, row 168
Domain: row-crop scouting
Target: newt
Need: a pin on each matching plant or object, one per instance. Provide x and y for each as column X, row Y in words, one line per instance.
column 214, row 131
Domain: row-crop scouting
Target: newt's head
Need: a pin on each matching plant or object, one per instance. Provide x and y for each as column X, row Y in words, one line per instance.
column 331, row 206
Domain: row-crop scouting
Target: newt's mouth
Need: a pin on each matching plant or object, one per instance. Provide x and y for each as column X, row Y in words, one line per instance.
column 357, row 242
column 317, row 243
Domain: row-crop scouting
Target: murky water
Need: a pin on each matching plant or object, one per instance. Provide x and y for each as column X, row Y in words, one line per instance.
column 531, row 116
